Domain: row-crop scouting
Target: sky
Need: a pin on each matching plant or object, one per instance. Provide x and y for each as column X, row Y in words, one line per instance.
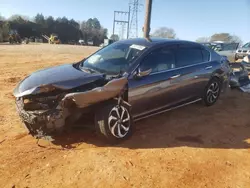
column 190, row 19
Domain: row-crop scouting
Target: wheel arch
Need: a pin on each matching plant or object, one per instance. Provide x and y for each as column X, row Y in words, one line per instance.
column 216, row 75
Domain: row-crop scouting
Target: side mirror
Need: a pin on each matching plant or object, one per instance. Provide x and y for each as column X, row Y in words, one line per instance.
column 141, row 74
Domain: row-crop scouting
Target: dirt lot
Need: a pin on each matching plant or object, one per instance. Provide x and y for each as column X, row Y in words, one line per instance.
column 190, row 147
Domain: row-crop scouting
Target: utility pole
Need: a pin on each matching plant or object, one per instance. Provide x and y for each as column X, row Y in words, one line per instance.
column 146, row 28
column 128, row 22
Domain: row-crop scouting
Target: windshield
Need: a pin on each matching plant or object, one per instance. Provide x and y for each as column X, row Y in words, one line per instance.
column 113, row 59
column 247, row 45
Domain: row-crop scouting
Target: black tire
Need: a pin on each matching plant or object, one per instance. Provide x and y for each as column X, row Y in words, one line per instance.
column 104, row 122
column 212, row 91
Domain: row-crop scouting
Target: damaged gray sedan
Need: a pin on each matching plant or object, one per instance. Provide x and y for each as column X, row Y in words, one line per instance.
column 123, row 82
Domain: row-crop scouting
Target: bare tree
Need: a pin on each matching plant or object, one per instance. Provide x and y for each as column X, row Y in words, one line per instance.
column 164, row 32
column 235, row 38
column 225, row 37
column 92, row 30
column 203, row 39
column 18, row 18
column 2, row 18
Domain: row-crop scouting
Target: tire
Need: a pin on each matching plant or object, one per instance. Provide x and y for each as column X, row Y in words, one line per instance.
column 108, row 122
column 212, row 92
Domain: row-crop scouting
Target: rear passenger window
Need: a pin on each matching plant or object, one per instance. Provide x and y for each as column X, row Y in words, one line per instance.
column 188, row 56
column 206, row 55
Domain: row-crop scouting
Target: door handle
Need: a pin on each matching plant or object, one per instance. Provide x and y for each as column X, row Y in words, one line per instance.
column 176, row 76
column 209, row 67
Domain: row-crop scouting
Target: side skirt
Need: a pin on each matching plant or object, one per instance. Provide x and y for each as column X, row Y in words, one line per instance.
column 164, row 109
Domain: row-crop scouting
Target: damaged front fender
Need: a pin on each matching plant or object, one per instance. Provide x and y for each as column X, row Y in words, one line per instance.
column 111, row 90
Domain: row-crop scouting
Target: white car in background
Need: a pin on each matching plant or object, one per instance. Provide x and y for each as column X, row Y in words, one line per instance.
column 243, row 51
column 81, row 42
column 224, row 49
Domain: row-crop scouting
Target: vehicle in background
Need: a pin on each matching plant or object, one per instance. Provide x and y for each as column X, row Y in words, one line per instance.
column 124, row 82
column 14, row 37
column 224, row 49
column 90, row 42
column 72, row 42
column 243, row 51
column 81, row 42
column 53, row 39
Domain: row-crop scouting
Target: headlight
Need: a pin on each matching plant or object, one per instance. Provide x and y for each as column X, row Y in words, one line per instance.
column 26, row 101
column 40, row 103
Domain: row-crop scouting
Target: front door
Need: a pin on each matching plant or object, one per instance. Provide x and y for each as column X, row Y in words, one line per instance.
column 151, row 92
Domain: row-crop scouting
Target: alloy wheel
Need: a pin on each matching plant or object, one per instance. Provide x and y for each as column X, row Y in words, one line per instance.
column 213, row 92
column 119, row 121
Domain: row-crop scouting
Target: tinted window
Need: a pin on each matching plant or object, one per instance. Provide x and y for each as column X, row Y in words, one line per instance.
column 159, row 60
column 206, row 55
column 188, row 56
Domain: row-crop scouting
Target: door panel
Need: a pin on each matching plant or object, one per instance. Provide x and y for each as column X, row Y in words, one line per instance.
column 192, row 81
column 152, row 91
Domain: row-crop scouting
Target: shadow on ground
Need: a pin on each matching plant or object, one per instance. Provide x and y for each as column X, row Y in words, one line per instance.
column 224, row 125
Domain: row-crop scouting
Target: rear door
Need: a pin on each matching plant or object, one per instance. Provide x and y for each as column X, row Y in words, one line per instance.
column 194, row 67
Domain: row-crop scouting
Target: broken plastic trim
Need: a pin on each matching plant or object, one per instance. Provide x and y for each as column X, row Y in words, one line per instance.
column 239, row 76
column 111, row 90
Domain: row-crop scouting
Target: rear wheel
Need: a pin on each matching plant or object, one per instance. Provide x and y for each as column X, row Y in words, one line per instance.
column 212, row 92
column 114, row 122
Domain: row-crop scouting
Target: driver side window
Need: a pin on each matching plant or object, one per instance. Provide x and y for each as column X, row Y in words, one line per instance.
column 158, row 60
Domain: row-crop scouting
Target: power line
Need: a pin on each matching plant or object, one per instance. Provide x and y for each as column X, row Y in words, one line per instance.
column 121, row 18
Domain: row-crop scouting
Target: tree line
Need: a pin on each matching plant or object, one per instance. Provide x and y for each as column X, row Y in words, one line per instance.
column 68, row 30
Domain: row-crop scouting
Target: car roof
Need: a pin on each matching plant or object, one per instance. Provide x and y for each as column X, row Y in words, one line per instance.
column 155, row 41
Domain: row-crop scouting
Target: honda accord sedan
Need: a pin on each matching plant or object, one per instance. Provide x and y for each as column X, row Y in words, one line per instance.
column 121, row 83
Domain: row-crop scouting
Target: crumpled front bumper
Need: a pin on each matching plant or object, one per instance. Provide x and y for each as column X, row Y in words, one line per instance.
column 40, row 123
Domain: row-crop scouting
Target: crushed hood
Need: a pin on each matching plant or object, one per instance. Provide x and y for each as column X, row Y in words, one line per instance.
column 62, row 77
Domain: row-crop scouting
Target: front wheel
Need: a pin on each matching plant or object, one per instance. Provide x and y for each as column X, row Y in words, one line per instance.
column 212, row 92
column 114, row 122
